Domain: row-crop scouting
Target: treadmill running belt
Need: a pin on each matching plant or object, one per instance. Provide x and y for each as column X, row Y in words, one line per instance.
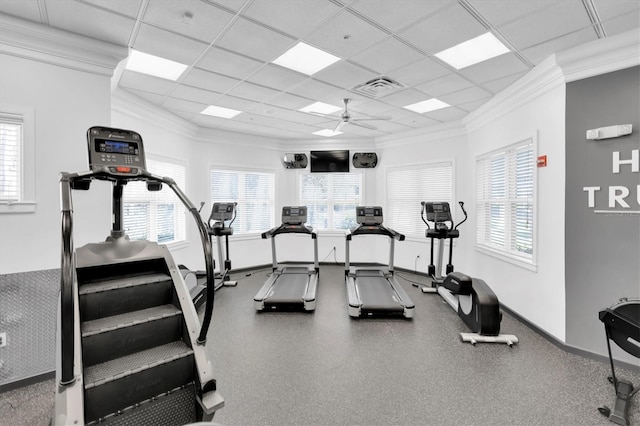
column 288, row 288
column 376, row 294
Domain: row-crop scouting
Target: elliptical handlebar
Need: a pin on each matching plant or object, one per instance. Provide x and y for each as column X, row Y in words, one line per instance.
column 461, row 203
column 422, row 215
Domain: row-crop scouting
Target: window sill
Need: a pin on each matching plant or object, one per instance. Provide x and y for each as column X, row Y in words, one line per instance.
column 21, row 207
column 522, row 263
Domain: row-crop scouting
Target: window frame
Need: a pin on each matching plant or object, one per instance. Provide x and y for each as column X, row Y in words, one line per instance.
column 153, row 225
column 508, row 254
column 330, row 231
column 27, row 201
column 420, row 237
column 237, row 235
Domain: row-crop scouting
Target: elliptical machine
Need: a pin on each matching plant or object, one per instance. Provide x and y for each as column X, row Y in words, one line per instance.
column 471, row 298
column 218, row 225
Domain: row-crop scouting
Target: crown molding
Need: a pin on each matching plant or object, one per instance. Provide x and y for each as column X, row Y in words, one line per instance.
column 600, row 56
column 30, row 40
column 435, row 132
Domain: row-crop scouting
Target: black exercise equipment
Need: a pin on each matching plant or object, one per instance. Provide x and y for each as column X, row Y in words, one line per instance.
column 473, row 300
column 290, row 286
column 130, row 348
column 374, row 291
column 622, row 325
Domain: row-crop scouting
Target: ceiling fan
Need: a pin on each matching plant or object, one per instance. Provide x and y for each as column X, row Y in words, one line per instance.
column 346, row 118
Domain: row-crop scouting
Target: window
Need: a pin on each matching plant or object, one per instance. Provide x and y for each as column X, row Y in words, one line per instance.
column 408, row 186
column 10, row 159
column 155, row 215
column 331, row 199
column 253, row 191
column 505, row 201
column 17, row 159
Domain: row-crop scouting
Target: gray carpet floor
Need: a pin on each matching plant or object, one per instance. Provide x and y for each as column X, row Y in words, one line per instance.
column 325, row 368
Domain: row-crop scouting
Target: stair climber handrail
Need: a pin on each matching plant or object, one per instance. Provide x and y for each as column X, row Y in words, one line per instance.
column 69, row 181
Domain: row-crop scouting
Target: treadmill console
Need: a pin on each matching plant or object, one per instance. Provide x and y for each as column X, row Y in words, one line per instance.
column 369, row 215
column 438, row 212
column 115, row 152
column 221, row 212
column 294, row 215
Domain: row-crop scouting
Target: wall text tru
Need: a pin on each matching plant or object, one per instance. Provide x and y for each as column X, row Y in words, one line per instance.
column 620, row 198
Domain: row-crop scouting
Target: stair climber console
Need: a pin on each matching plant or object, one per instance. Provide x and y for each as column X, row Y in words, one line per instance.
column 130, row 346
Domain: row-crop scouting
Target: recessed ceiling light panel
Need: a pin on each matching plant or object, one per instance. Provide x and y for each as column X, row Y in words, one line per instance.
column 472, row 51
column 221, row 112
column 305, row 59
column 321, row 108
column 426, row 106
column 154, row 65
column 326, row 133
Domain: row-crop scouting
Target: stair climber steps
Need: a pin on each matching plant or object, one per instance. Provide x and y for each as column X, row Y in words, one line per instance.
column 174, row 408
column 112, row 337
column 124, row 382
column 123, row 294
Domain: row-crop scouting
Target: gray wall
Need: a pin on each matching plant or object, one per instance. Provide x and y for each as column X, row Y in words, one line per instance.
column 602, row 248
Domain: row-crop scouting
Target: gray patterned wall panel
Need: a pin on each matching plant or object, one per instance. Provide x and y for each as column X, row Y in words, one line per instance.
column 28, row 316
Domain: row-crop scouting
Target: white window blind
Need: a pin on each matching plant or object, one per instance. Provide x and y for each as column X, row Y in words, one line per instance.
column 407, row 187
column 505, row 200
column 10, row 159
column 254, row 192
column 155, row 215
column 331, row 199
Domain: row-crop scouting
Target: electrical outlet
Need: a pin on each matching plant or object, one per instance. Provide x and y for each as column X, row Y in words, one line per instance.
column 3, row 339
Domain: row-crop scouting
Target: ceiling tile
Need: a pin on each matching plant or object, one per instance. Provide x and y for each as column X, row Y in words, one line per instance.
column 330, row 36
column 314, row 89
column 467, row 95
column 88, row 20
column 289, row 101
column 123, row 7
column 276, row 77
column 388, row 55
column 238, row 104
column 608, row 9
column 344, row 74
column 296, row 18
column 146, row 83
column 622, row 23
column 542, row 51
column 150, row 97
column 564, row 18
column 404, row 97
column 443, row 85
column 471, row 106
column 500, row 84
column 447, row 114
column 183, row 105
column 255, row 41
column 183, row 91
column 233, row 5
column 419, row 72
column 396, row 15
column 447, row 28
column 380, row 107
column 253, row 91
column 498, row 13
column 206, row 23
column 25, row 9
column 168, row 45
column 228, row 63
column 417, row 121
column 494, row 68
column 209, row 81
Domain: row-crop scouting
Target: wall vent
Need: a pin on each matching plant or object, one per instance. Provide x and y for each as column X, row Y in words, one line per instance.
column 378, row 87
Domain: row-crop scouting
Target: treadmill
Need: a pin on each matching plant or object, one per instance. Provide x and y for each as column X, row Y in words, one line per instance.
column 374, row 291
column 290, row 286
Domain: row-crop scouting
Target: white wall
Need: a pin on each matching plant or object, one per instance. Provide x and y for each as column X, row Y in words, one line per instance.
column 537, row 108
column 66, row 103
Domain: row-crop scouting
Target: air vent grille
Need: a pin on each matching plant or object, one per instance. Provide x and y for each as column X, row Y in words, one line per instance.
column 378, row 87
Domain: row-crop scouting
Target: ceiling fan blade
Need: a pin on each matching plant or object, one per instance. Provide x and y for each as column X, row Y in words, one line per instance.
column 366, row 126
column 373, row 117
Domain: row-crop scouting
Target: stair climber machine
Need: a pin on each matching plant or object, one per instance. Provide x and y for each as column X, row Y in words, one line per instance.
column 130, row 348
column 471, row 298
column 622, row 325
column 219, row 225
column 374, row 291
column 290, row 286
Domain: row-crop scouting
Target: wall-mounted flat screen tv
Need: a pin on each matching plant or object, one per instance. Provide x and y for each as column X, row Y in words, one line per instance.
column 336, row 161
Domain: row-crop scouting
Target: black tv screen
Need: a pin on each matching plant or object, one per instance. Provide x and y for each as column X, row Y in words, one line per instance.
column 336, row 161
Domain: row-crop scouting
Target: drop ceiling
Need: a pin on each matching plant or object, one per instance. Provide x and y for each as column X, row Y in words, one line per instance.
column 229, row 45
